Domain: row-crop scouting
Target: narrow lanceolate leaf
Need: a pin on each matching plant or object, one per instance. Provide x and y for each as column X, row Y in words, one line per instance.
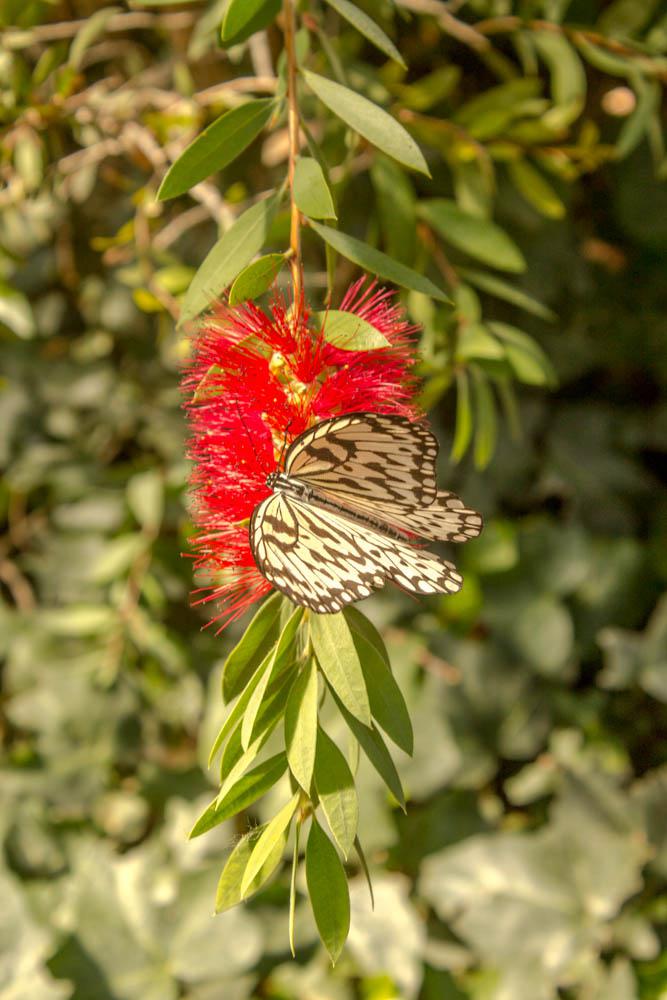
column 236, row 764
column 242, row 241
column 327, row 888
column 388, row 706
column 277, row 660
column 301, row 725
column 463, row 432
column 485, row 422
column 339, row 662
column 369, row 120
column 246, row 791
column 479, row 238
column 364, row 867
column 336, row 792
column 271, row 836
column 245, row 17
column 501, row 289
column 229, row 886
column 367, row 27
column 375, row 749
column 311, row 191
column 256, row 278
column 348, row 332
column 396, row 208
column 258, row 639
column 528, row 360
column 216, row 146
column 292, row 887
column 376, row 262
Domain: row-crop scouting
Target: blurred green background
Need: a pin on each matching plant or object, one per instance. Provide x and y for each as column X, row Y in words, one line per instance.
column 532, row 862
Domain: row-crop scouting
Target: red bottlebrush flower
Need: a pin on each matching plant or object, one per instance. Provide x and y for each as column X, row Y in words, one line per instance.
column 255, row 382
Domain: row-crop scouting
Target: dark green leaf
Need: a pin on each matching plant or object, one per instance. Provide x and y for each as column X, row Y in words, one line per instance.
column 245, row 17
column 229, row 887
column 311, row 191
column 258, row 639
column 256, row 278
column 388, row 706
column 337, row 656
column 336, row 792
column 364, row 867
column 242, row 241
column 246, row 791
column 216, row 146
column 327, row 888
column 501, row 289
column 349, row 332
column 367, row 27
column 301, row 725
column 479, row 238
column 369, row 120
column 374, row 747
column 272, row 835
column 376, row 262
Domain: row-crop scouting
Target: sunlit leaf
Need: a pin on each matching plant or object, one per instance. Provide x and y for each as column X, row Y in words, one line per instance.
column 367, row 27
column 339, row 662
column 311, row 191
column 335, row 789
column 327, row 889
column 245, row 17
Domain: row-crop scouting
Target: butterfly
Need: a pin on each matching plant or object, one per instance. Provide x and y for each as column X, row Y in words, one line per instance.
column 351, row 509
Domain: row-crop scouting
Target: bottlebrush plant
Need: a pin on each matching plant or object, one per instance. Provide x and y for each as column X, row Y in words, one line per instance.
column 259, row 377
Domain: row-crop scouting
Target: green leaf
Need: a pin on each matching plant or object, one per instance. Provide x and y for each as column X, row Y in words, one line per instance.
column 529, row 362
column 568, row 77
column 375, row 749
column 245, row 17
column 486, row 425
column 364, row 867
column 229, row 887
column 388, row 706
column 335, row 789
column 242, row 241
column 501, row 289
column 260, row 635
column 216, row 146
column 396, row 209
column 635, row 127
column 311, row 191
column 256, row 278
column 241, row 795
column 236, row 763
column 93, row 27
column 479, row 238
column 536, row 189
column 301, row 725
column 337, row 656
column 368, row 28
column 369, row 120
column 475, row 341
column 349, row 332
column 271, row 836
column 377, row 262
column 463, row 431
column 327, row 888
column 237, row 711
column 277, row 660
column 359, row 623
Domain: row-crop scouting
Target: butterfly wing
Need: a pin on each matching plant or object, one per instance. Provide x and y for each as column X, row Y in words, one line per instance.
column 324, row 561
column 368, row 456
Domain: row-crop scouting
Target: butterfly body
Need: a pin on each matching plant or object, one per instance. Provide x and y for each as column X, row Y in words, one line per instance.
column 353, row 507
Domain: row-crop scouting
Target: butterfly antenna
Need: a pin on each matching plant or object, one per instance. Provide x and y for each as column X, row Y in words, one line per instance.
column 284, row 447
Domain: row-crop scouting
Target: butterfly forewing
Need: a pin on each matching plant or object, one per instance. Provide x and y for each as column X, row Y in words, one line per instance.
column 370, row 456
column 324, row 561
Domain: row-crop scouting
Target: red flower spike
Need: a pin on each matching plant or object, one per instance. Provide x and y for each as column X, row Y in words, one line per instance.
column 256, row 381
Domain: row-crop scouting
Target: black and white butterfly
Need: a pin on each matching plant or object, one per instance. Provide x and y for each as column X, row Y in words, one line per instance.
column 357, row 497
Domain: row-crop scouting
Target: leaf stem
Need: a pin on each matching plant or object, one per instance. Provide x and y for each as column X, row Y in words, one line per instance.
column 293, row 135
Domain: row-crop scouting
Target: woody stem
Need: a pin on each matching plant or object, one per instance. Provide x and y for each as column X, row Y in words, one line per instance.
column 293, row 134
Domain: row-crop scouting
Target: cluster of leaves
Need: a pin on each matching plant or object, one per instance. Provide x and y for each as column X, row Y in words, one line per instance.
column 531, row 862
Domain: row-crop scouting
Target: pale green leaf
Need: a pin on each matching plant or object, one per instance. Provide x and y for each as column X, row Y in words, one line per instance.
column 94, row 26
column 485, row 419
column 247, row 790
column 335, row 789
column 271, row 836
column 349, row 332
column 339, row 662
column 301, row 725
column 256, row 278
column 536, row 189
column 367, row 27
column 369, row 120
column 528, row 360
column 257, row 640
column 311, row 191
column 229, row 887
column 276, row 662
column 463, row 432
column 327, row 889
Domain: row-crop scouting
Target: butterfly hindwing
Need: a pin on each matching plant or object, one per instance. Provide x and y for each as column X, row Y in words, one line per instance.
column 371, row 456
column 324, row 561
